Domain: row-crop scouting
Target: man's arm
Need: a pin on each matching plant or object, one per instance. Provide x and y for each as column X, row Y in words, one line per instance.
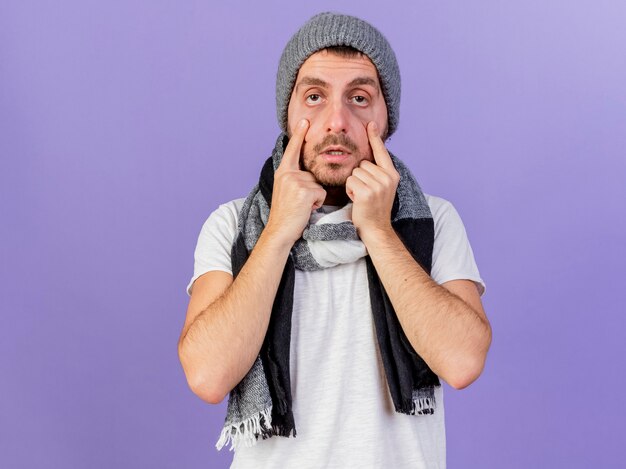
column 227, row 320
column 447, row 326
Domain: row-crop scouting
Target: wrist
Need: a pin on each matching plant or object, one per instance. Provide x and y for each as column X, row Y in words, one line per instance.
column 277, row 237
column 373, row 235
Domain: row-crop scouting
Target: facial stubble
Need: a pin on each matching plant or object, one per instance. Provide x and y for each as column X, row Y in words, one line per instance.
column 329, row 174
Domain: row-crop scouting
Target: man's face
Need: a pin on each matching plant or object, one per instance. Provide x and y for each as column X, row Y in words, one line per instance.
column 338, row 96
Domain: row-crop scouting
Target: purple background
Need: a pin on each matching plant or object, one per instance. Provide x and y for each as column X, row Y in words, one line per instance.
column 123, row 124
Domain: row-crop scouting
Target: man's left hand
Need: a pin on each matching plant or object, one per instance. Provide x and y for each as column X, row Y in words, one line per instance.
column 372, row 188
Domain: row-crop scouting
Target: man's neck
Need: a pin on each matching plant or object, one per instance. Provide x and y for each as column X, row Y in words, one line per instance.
column 336, row 195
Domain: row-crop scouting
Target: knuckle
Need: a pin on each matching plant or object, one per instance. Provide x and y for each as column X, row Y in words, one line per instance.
column 388, row 179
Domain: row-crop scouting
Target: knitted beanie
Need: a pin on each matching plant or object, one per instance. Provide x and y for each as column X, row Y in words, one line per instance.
column 334, row 29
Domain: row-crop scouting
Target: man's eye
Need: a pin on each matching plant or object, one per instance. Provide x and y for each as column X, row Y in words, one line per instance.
column 361, row 100
column 313, row 98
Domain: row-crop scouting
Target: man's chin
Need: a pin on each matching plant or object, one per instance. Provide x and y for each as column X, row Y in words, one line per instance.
column 331, row 180
column 331, row 174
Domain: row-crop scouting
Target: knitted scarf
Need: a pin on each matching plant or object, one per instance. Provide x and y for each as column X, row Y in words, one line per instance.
column 261, row 404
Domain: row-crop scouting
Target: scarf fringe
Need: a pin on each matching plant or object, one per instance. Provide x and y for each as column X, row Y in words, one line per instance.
column 418, row 405
column 423, row 405
column 246, row 432
column 279, row 430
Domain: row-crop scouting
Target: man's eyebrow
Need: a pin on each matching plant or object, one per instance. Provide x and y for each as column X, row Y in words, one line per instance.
column 360, row 81
column 312, row 81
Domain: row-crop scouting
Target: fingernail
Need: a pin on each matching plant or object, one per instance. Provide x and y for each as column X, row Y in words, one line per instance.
column 302, row 124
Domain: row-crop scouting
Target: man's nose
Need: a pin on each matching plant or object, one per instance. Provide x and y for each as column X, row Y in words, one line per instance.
column 337, row 117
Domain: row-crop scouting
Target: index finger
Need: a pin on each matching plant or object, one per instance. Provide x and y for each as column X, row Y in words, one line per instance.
column 381, row 155
column 291, row 156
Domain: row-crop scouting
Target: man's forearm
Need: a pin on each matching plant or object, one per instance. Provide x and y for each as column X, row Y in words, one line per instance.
column 444, row 330
column 222, row 343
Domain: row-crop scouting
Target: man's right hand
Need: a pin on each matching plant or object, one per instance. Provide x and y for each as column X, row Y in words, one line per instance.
column 296, row 193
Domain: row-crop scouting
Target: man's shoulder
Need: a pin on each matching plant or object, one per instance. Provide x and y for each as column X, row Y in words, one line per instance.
column 225, row 217
column 438, row 205
column 435, row 201
column 234, row 204
column 230, row 209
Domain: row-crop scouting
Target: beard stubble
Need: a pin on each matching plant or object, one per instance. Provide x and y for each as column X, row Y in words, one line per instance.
column 330, row 174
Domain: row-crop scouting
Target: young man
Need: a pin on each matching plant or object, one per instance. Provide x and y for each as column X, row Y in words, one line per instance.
column 336, row 295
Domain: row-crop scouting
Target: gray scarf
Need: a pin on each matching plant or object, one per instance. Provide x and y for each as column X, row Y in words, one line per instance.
column 260, row 405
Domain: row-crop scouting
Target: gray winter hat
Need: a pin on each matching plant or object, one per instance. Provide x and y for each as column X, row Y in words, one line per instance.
column 334, row 29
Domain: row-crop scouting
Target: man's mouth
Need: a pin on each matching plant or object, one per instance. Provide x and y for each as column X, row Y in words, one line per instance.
column 335, row 151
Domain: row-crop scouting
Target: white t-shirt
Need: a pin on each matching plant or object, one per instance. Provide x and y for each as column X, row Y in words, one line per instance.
column 342, row 408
